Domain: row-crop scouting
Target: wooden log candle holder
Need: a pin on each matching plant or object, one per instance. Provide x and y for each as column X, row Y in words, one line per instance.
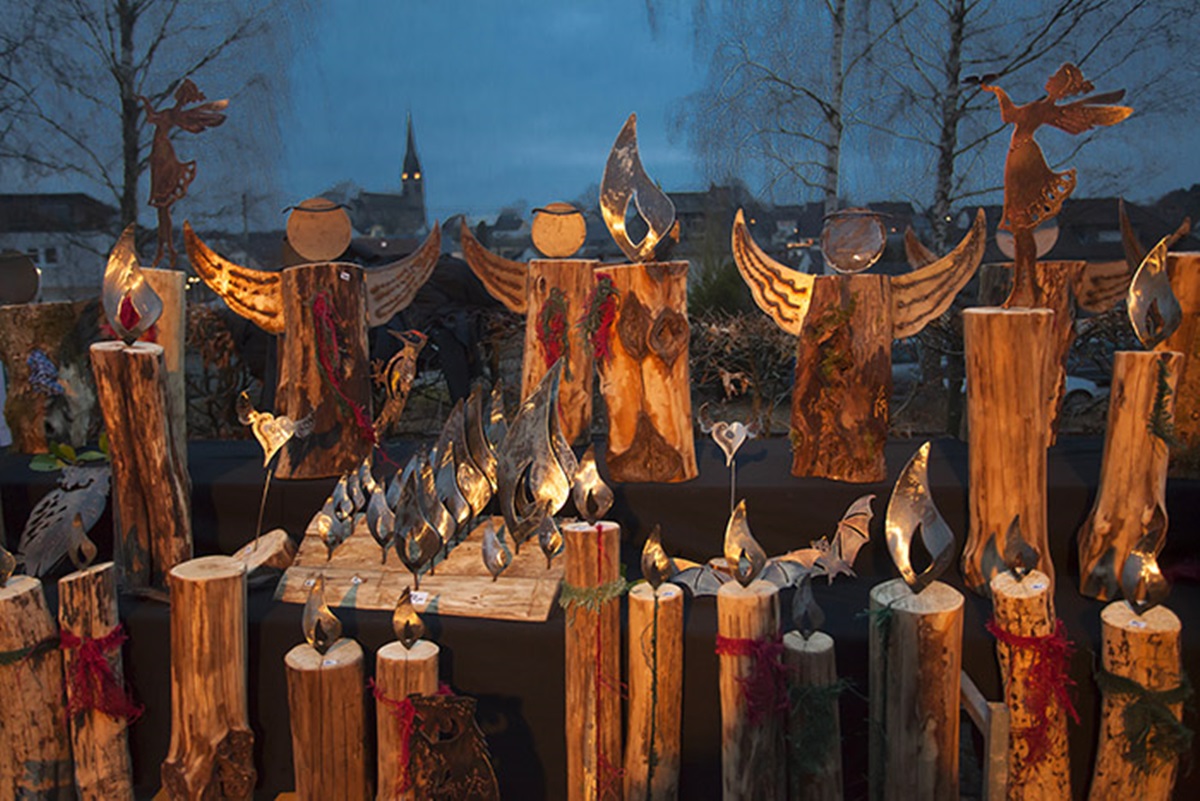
column 655, row 675
column 591, row 591
column 812, row 673
column 915, row 647
column 211, row 749
column 35, row 749
column 1131, row 497
column 171, row 333
column 1142, row 659
column 399, row 673
column 1007, row 353
column 87, row 615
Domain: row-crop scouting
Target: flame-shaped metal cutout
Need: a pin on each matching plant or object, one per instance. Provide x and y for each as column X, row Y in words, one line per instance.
column 445, row 479
column 483, row 453
column 911, row 508
column 321, row 626
column 657, row 566
column 8, row 565
column 366, row 478
column 406, row 622
column 1019, row 555
column 381, row 520
column 1153, row 308
column 354, row 489
column 415, row 540
column 496, row 555
column 496, row 426
column 592, row 497
column 472, row 484
column 625, row 181
column 123, row 279
column 431, row 505
column 806, row 614
column 746, row 558
column 549, row 536
column 1142, row 582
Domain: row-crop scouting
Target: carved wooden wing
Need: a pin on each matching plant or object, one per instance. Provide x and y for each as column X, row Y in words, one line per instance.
column 504, row 279
column 915, row 252
column 253, row 294
column 924, row 294
column 392, row 287
column 1134, row 252
column 783, row 293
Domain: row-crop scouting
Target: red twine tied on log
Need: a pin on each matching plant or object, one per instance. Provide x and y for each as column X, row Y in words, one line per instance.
column 765, row 689
column 1047, row 681
column 325, row 318
column 92, row 683
column 405, row 713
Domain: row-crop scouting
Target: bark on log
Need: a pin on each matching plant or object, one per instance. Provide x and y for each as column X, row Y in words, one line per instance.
column 571, row 283
column 915, row 679
column 328, row 712
column 87, row 608
column 399, row 673
column 593, row 664
column 1007, row 412
column 35, row 750
column 1131, row 497
column 843, row 380
column 1145, row 650
column 811, row 663
column 1184, row 271
column 753, row 764
column 152, row 517
column 1026, row 609
column 336, row 444
column 171, row 327
column 645, row 380
column 655, row 678
column 211, row 750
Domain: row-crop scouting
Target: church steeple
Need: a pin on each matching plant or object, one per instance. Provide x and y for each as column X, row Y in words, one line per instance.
column 412, row 184
column 410, row 173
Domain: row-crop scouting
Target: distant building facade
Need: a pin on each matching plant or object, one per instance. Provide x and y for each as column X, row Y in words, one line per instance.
column 68, row 235
column 392, row 215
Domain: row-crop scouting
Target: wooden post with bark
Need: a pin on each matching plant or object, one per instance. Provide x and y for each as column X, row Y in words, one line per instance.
column 753, row 762
column 1184, row 271
column 152, row 518
column 87, row 609
column 35, row 750
column 1007, row 353
column 646, row 380
column 1026, row 609
column 812, row 666
column 171, row 287
column 593, row 660
column 915, row 647
column 655, row 675
column 399, row 673
column 1144, row 650
column 211, row 754
column 1131, row 497
column 328, row 712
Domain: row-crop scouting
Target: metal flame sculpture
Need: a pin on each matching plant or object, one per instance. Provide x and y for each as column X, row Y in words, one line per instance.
column 657, row 566
column 124, row 283
column 625, row 181
column 1153, row 308
column 592, row 497
column 745, row 557
column 496, row 555
column 405, row 621
column 1142, row 582
column 321, row 626
column 911, row 512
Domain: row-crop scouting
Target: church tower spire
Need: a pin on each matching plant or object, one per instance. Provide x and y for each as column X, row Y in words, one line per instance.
column 412, row 182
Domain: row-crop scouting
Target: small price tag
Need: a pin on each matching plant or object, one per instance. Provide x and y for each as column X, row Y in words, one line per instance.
column 345, row 276
column 356, row 579
column 1038, row 585
column 1137, row 623
column 420, row 598
column 309, row 582
column 329, row 663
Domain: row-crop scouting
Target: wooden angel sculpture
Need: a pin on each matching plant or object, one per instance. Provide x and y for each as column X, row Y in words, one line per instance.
column 844, row 327
column 322, row 308
column 170, row 177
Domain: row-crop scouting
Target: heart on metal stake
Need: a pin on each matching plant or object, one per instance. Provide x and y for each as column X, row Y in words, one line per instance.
column 272, row 433
column 730, row 437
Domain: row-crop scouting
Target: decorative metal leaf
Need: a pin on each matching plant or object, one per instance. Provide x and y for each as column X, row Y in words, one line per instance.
column 806, row 614
column 49, row 533
column 321, row 626
column 910, row 511
column 657, row 566
column 746, row 558
column 405, row 621
column 496, row 555
column 125, row 282
column 625, row 181
column 1153, row 308
column 1142, row 582
column 592, row 497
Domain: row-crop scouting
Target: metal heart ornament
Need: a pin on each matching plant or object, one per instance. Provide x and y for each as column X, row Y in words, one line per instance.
column 272, row 433
column 730, row 437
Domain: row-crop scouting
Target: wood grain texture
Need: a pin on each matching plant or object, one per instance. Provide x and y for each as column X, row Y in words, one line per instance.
column 780, row 291
column 211, row 749
column 391, row 288
column 655, row 676
column 152, row 519
column 399, row 673
column 1007, row 435
column 35, row 748
column 253, row 294
column 1131, row 496
column 327, row 706
column 1026, row 609
column 813, row 663
column 915, row 680
column 87, row 608
column 1184, row 271
column 753, row 764
column 1146, row 650
column 275, row 549
column 171, row 329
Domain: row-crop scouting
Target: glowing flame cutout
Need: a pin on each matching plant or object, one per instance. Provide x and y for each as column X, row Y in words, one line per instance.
column 910, row 511
column 1153, row 308
column 625, row 181
column 124, row 282
column 593, row 498
column 496, row 556
column 744, row 556
column 321, row 626
column 406, row 622
column 657, row 566
column 1142, row 582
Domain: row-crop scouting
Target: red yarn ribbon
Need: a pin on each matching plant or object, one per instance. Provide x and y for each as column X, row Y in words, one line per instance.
column 405, row 713
column 325, row 318
column 1047, row 681
column 765, row 689
column 602, row 312
column 93, row 685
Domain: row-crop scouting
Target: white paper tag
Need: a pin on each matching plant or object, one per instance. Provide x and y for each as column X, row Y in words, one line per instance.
column 309, row 582
column 1137, row 623
column 1038, row 585
column 329, row 663
column 345, row 276
column 420, row 598
column 356, row 579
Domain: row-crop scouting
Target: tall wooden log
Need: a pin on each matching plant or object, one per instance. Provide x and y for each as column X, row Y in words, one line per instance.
column 1007, row 351
column 328, row 712
column 645, row 380
column 211, row 750
column 35, row 750
column 399, row 673
column 593, row 662
column 843, row 380
column 1184, row 271
column 753, row 764
column 915, row 646
column 1026, row 609
column 171, row 286
column 87, row 608
column 812, row 666
column 152, row 517
column 655, row 678
column 1131, row 497
column 1146, row 650
column 337, row 444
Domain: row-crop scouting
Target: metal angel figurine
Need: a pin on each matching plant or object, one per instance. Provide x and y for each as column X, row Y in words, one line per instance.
column 170, row 177
column 1034, row 193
